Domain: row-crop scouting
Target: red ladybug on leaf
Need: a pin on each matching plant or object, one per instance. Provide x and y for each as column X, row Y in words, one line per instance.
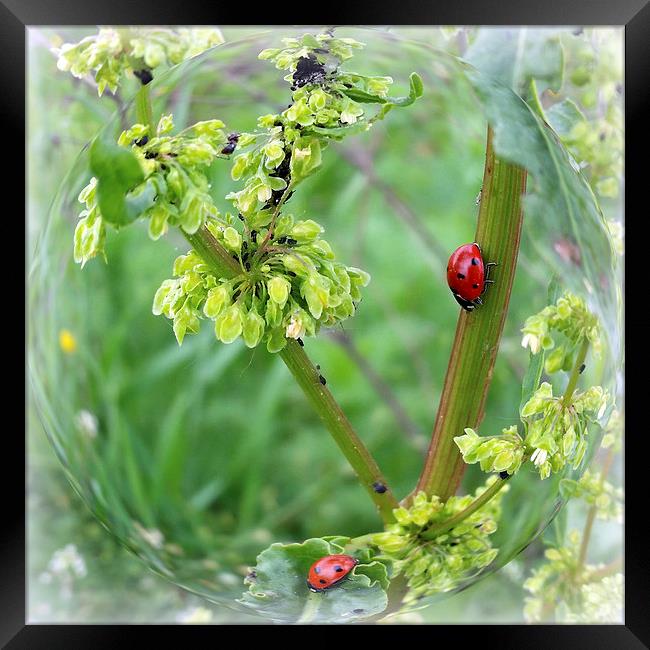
column 467, row 275
column 329, row 571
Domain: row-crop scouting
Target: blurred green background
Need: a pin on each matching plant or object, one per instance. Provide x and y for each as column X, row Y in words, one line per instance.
column 219, row 436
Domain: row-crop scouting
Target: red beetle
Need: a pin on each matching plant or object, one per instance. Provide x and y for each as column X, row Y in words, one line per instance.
column 329, row 571
column 467, row 275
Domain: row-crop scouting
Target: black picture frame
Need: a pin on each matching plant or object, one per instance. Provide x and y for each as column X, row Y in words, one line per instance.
column 634, row 15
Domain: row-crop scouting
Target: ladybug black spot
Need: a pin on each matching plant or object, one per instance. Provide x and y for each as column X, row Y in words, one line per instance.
column 323, row 582
column 460, row 276
column 475, row 285
column 474, row 261
column 338, row 569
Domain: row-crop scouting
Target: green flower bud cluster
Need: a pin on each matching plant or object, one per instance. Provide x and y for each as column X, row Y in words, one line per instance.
column 503, row 453
column 561, row 585
column 444, row 562
column 557, row 433
column 112, row 52
column 90, row 233
column 570, row 317
column 175, row 167
column 607, row 499
column 613, row 432
column 293, row 288
column 290, row 150
column 600, row 602
column 318, row 47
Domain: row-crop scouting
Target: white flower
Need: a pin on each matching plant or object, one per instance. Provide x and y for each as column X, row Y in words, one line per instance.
column 532, row 341
column 295, row 328
column 539, row 456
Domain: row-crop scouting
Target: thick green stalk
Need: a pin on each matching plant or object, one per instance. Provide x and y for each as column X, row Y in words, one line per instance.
column 478, row 333
column 318, row 395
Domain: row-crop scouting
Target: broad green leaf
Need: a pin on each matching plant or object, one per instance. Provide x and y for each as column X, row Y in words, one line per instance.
column 279, row 588
column 563, row 116
column 559, row 205
column 515, row 56
column 118, row 172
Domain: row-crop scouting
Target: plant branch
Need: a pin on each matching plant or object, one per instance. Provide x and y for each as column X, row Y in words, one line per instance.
column 478, row 333
column 308, row 378
column 479, row 502
column 339, row 426
column 591, row 515
column 143, row 110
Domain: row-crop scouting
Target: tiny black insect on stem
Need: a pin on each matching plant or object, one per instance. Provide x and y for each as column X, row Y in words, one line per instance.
column 504, row 475
column 144, row 76
column 301, row 343
column 322, row 379
column 582, row 367
column 379, row 487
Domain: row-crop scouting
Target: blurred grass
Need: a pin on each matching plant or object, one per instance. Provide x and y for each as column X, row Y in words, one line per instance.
column 213, row 445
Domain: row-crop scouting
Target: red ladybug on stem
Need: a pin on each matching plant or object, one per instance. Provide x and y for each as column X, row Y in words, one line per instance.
column 467, row 275
column 329, row 571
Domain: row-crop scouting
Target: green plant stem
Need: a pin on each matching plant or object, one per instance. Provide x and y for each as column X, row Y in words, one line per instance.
column 308, row 379
column 338, row 425
column 143, row 110
column 575, row 373
column 479, row 502
column 478, row 333
column 591, row 515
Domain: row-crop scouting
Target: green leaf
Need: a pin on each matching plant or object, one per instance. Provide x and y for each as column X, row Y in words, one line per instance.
column 416, row 89
column 559, row 204
column 118, row 171
column 563, row 116
column 515, row 56
column 279, row 589
column 363, row 97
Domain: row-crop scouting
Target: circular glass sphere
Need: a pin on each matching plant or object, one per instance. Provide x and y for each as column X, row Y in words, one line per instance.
column 196, row 458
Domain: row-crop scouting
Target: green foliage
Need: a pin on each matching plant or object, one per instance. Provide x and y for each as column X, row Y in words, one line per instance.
column 570, row 317
column 197, row 451
column 504, row 453
column 556, row 428
column 594, row 490
column 112, row 53
column 278, row 585
column 515, row 56
column 573, row 592
column 450, row 558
